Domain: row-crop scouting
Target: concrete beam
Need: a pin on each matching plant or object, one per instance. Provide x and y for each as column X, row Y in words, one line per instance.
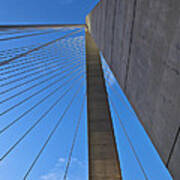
column 103, row 156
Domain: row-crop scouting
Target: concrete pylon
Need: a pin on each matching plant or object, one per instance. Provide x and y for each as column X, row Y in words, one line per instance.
column 103, row 157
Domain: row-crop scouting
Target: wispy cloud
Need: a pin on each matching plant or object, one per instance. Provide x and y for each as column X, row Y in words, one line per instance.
column 61, row 160
column 51, row 176
column 77, row 170
column 108, row 74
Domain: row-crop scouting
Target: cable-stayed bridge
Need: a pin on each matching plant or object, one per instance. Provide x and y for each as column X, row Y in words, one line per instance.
column 48, row 72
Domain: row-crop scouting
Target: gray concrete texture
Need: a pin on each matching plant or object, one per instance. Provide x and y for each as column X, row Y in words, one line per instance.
column 103, row 156
column 140, row 40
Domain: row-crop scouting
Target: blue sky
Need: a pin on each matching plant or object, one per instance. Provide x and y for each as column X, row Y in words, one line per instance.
column 129, row 132
column 45, row 11
column 66, row 55
column 51, row 166
column 69, row 55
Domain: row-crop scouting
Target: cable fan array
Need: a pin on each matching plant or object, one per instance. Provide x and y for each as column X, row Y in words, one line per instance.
column 44, row 74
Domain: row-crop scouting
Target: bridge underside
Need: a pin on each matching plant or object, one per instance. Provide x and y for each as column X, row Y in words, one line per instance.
column 140, row 41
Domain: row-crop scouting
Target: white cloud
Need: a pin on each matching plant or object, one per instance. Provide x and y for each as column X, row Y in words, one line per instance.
column 62, row 160
column 50, row 176
column 75, row 160
column 110, row 78
column 76, row 169
column 108, row 74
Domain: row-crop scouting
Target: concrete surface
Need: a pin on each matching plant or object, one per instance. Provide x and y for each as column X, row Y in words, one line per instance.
column 103, row 156
column 140, row 41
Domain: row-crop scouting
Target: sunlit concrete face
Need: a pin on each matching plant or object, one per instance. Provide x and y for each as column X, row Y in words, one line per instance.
column 140, row 42
column 103, row 158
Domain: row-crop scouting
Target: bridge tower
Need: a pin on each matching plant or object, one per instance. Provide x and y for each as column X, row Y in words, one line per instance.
column 103, row 156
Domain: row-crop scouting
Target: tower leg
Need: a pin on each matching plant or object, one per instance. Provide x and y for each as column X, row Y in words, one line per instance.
column 103, row 156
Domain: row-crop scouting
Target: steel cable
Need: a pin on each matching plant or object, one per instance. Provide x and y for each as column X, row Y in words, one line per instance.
column 28, row 35
column 31, row 63
column 40, row 47
column 51, row 134
column 37, row 84
column 38, row 121
column 34, row 62
column 129, row 140
column 45, row 65
column 74, row 139
column 123, row 127
column 29, row 97
column 39, row 54
column 35, row 55
column 32, row 74
column 20, row 31
column 35, row 59
column 36, row 78
column 34, row 106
